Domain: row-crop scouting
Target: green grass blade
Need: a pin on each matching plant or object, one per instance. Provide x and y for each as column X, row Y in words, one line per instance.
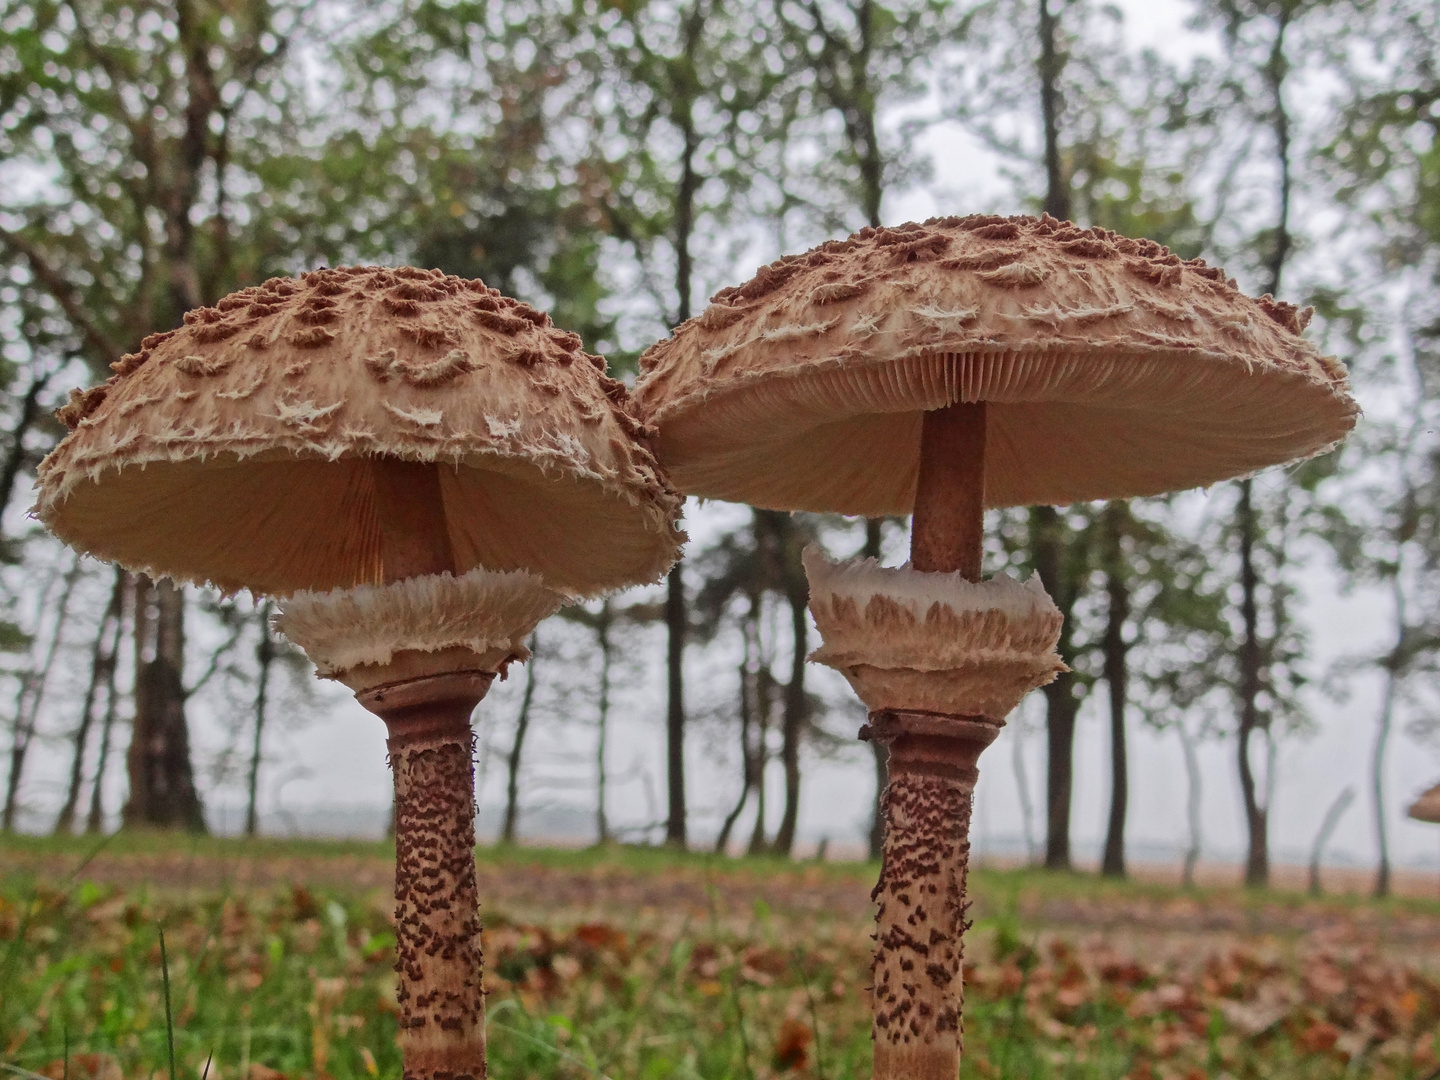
column 169, row 1015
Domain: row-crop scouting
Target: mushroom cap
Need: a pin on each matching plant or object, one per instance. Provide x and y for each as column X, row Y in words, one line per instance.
column 235, row 449
column 1111, row 368
column 1427, row 806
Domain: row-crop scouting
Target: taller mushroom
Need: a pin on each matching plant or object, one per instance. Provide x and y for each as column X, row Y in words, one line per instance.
column 422, row 468
column 941, row 368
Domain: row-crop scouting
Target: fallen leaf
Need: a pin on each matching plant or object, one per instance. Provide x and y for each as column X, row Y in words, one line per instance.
column 792, row 1045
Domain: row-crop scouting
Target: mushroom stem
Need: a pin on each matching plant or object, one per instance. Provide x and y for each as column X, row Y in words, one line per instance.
column 918, row 990
column 414, row 540
column 437, row 906
column 437, row 902
column 947, row 532
column 931, row 769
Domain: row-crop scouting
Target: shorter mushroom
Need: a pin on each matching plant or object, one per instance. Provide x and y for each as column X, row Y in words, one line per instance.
column 422, row 469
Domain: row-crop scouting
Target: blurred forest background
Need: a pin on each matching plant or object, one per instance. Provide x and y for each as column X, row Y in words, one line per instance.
column 616, row 163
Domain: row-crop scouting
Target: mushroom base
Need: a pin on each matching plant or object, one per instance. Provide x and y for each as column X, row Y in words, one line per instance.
column 918, row 989
column 437, row 908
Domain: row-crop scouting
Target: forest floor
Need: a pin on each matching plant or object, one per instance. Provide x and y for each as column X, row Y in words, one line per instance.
column 639, row 963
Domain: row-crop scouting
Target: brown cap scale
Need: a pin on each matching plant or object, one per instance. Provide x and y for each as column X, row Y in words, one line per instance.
column 237, row 449
column 421, row 467
column 940, row 368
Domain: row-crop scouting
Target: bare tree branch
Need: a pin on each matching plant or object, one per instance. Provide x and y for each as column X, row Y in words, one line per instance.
column 56, row 285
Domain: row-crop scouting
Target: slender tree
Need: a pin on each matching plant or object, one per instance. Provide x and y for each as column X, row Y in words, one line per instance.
column 1255, row 92
column 511, row 821
column 1112, row 525
column 32, row 686
column 95, row 815
column 104, row 655
column 162, row 782
column 264, row 663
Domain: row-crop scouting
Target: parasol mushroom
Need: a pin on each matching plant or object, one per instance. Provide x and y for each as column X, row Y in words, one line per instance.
column 423, row 469
column 941, row 368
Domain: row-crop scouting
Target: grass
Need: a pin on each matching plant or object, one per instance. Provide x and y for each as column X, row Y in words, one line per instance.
column 639, row 963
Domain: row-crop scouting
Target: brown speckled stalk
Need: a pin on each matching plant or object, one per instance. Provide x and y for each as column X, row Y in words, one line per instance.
column 920, row 919
column 437, row 908
column 948, row 529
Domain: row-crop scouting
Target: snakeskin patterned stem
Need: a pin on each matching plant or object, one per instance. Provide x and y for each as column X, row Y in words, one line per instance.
column 916, row 970
column 437, row 910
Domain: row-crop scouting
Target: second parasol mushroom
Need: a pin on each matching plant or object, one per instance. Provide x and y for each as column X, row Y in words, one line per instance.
column 423, row 469
column 941, row 368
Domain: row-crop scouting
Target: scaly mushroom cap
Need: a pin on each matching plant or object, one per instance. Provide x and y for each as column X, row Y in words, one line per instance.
column 234, row 449
column 1112, row 369
column 1427, row 806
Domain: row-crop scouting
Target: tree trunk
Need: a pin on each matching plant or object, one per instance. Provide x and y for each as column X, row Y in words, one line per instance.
column 749, row 694
column 602, row 635
column 1327, row 826
column 873, row 190
column 512, row 762
column 1382, row 738
column 162, row 780
column 676, row 617
column 31, row 697
column 1022, row 788
column 873, row 540
column 796, row 703
column 1252, row 651
column 1117, row 589
column 1047, row 542
column 722, row 841
column 1257, row 860
column 103, row 656
column 1047, row 530
column 95, row 817
column 1192, row 803
column 764, row 698
column 675, row 626
column 1052, row 63
column 867, row 145
column 265, row 658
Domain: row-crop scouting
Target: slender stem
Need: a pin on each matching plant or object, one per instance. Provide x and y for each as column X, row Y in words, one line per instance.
column 437, row 907
column 926, row 804
column 437, row 904
column 948, row 532
column 920, row 916
column 414, row 540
